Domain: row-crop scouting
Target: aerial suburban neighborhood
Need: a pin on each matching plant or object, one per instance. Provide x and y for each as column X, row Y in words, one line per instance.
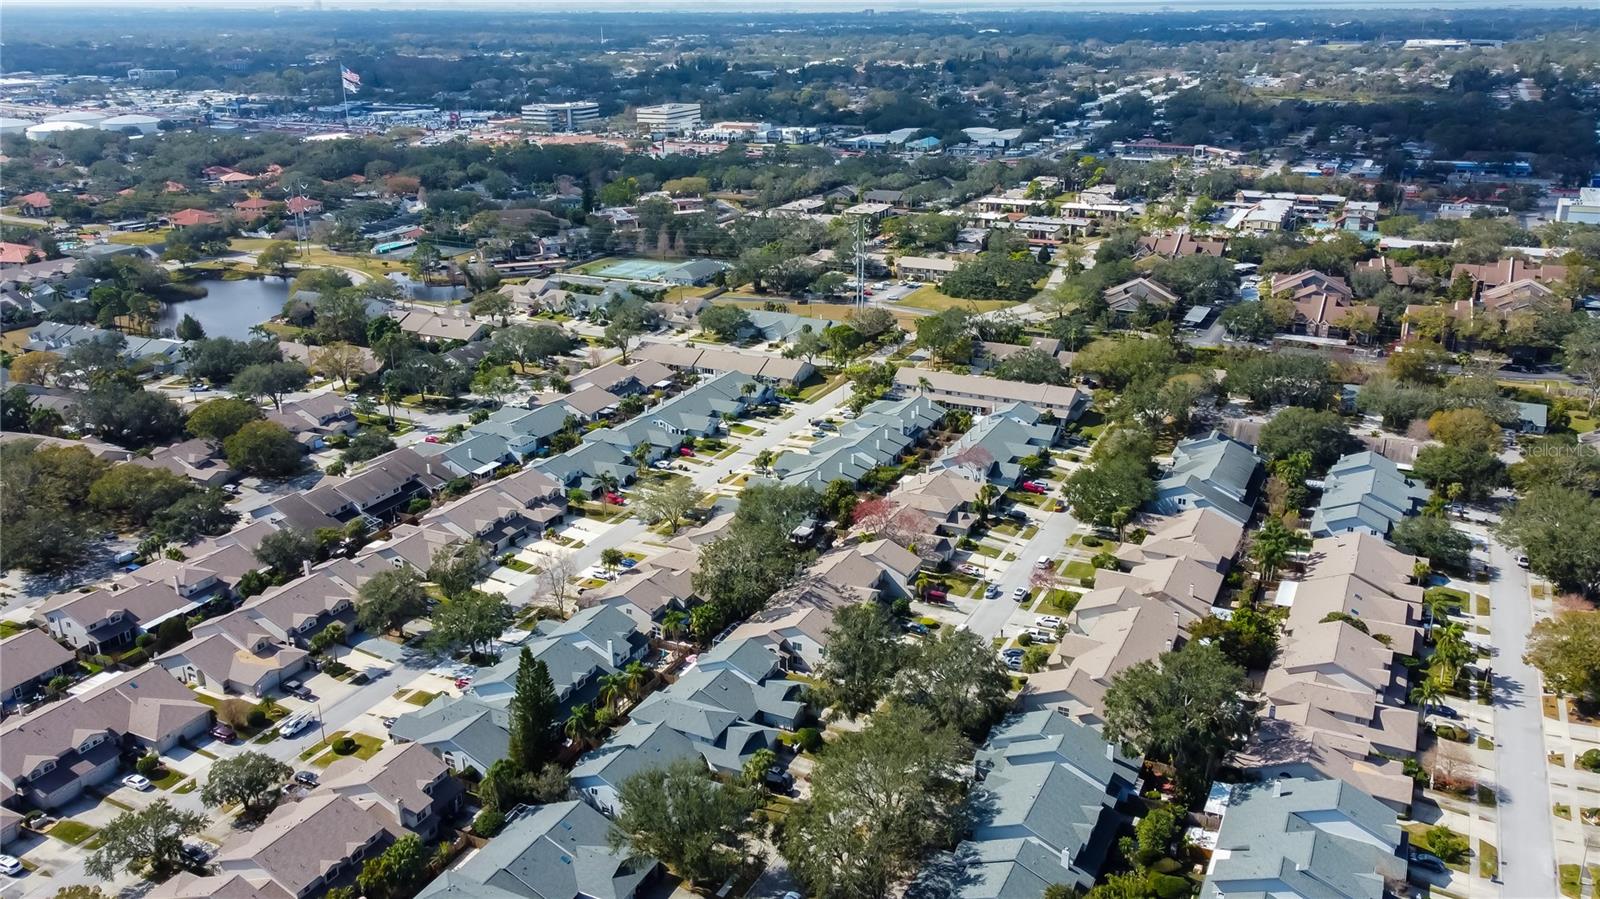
column 613, row 451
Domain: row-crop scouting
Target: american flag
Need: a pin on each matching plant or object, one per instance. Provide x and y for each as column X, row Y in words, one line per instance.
column 352, row 81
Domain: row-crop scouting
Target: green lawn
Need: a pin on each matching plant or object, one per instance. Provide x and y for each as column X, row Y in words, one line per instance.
column 10, row 629
column 1079, row 569
column 366, row 747
column 1059, row 602
column 1419, row 839
column 421, row 697
column 167, row 781
column 71, row 832
column 1483, row 604
column 928, row 297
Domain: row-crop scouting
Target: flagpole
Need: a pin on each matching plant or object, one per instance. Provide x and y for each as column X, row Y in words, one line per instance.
column 345, row 96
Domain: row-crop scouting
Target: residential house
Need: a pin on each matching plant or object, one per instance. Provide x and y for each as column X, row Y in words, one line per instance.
column 377, row 491
column 316, row 418
column 192, row 218
column 1298, row 837
column 927, row 269
column 728, row 705
column 558, row 851
column 1336, row 695
column 108, row 618
column 1109, row 630
column 992, row 450
column 464, row 732
column 301, row 850
column 646, row 594
column 504, row 513
column 433, row 327
column 49, row 757
column 1213, row 472
column 1048, row 810
column 198, row 459
column 1202, row 534
column 1532, row 418
column 1368, row 493
column 1324, row 305
column 34, row 205
column 1509, row 271
column 875, row 438
column 984, row 395
column 640, row 377
column 404, row 785
column 1129, row 297
column 32, row 659
column 719, row 361
column 1178, row 244
column 945, row 498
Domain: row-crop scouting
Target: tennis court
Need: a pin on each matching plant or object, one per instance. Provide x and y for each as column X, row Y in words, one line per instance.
column 639, row 269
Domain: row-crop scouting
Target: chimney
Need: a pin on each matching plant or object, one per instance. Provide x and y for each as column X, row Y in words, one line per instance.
column 609, row 652
column 305, row 566
column 430, row 469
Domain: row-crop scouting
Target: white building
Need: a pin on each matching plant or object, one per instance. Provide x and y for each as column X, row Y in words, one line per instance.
column 580, row 115
column 669, row 117
column 144, row 124
column 1584, row 210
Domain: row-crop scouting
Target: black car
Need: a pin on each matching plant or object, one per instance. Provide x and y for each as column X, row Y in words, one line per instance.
column 1428, row 861
column 778, row 780
column 1444, row 711
column 295, row 688
column 309, row 778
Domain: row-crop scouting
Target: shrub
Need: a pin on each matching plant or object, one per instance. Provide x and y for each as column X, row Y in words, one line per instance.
column 1024, row 639
column 148, row 764
column 488, row 822
column 135, row 658
column 1589, row 761
column 1447, row 844
column 809, row 739
column 144, row 640
column 344, row 746
column 1091, row 541
column 257, row 718
column 418, row 506
column 1450, row 732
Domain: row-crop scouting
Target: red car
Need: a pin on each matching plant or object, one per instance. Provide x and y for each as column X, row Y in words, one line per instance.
column 616, row 499
column 685, row 451
column 1035, row 487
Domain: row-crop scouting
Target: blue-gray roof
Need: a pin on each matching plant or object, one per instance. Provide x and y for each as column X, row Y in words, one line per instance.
column 1365, row 491
column 1045, row 812
column 993, row 447
column 557, row 851
column 465, row 725
column 1214, row 472
column 1296, row 837
column 875, row 438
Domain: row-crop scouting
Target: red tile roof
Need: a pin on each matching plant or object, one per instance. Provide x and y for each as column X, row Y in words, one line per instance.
column 18, row 253
column 38, row 199
column 187, row 217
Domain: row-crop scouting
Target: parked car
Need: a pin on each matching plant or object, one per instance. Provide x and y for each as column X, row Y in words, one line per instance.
column 1012, row 652
column 661, row 465
column 1044, row 562
column 628, row 562
column 936, row 594
column 10, row 867
column 463, row 682
column 1019, row 594
column 915, row 627
column 971, row 569
column 224, row 733
column 309, row 778
column 1428, row 861
column 992, row 591
column 778, row 780
column 1017, row 515
column 1015, row 664
column 388, row 721
column 1522, row 560
column 195, row 853
column 685, row 451
column 1049, row 621
column 124, row 557
column 1035, row 487
column 431, row 438
column 136, row 782
column 616, row 499
column 1444, row 711
column 297, row 689
column 294, row 724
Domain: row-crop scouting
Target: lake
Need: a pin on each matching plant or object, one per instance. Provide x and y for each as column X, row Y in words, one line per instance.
column 229, row 308
column 433, row 293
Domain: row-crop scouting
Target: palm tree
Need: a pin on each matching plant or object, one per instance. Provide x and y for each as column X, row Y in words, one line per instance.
column 763, row 460
column 581, row 726
column 987, row 494
column 674, row 622
column 636, row 675
column 1427, row 694
column 613, row 689
column 608, row 481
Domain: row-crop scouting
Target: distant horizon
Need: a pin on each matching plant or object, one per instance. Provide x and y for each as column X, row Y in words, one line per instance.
column 742, row 7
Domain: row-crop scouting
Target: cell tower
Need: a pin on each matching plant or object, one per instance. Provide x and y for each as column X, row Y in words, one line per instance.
column 859, row 248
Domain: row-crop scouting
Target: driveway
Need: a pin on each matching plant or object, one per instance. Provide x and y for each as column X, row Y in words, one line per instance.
column 992, row 615
column 1527, row 841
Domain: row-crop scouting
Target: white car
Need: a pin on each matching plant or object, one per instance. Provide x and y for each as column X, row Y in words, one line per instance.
column 971, row 569
column 1020, row 593
column 10, row 866
column 1049, row 621
column 136, row 782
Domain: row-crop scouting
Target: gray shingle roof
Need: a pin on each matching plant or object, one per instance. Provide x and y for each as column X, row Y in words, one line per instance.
column 556, row 851
column 1320, row 838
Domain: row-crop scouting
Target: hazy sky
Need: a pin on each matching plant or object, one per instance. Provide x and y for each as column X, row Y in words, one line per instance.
column 776, row 6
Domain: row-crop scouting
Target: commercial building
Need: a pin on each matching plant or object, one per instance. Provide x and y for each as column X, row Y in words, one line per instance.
column 581, row 115
column 673, row 117
column 984, row 395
